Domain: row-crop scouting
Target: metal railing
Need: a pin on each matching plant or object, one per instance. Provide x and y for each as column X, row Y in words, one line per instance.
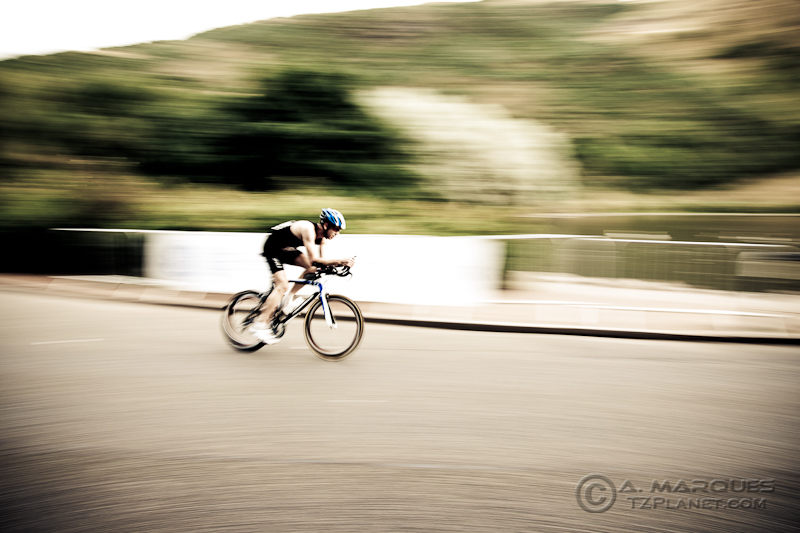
column 716, row 265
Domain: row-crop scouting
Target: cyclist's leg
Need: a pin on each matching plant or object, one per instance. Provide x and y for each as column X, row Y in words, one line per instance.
column 280, row 282
column 304, row 261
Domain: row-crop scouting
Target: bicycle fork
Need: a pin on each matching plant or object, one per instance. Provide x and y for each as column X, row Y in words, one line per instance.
column 326, row 309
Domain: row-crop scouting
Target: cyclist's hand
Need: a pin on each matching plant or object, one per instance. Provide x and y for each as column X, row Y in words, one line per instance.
column 349, row 262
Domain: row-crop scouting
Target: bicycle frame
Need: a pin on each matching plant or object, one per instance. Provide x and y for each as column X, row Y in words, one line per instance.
column 320, row 293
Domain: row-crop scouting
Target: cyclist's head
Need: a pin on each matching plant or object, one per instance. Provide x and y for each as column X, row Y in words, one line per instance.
column 334, row 219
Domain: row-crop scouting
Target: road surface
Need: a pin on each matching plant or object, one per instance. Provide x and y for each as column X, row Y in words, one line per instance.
column 135, row 417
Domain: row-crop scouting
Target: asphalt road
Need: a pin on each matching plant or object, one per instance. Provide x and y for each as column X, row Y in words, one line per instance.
column 135, row 417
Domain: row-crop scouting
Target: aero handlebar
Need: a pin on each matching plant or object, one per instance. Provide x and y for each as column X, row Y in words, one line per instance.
column 328, row 270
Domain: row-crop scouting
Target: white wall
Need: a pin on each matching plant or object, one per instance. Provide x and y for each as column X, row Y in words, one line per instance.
column 206, row 261
column 389, row 268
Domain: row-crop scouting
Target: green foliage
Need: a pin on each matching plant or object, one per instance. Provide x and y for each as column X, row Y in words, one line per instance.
column 305, row 124
column 189, row 111
column 633, row 120
column 723, row 148
column 747, row 50
column 300, row 123
column 780, row 61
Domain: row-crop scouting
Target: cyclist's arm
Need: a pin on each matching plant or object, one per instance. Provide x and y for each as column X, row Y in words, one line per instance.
column 308, row 234
column 322, row 248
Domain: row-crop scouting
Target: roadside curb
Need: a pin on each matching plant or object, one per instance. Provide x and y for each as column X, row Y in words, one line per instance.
column 501, row 327
column 142, row 293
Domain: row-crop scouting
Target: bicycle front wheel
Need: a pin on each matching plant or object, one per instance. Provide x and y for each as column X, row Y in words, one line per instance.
column 336, row 341
column 237, row 318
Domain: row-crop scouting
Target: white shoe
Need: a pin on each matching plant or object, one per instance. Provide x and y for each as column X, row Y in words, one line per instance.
column 263, row 333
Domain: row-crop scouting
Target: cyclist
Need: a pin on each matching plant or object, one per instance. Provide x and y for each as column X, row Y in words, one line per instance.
column 281, row 247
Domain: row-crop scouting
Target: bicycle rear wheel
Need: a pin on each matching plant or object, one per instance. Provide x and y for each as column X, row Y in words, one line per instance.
column 237, row 318
column 337, row 342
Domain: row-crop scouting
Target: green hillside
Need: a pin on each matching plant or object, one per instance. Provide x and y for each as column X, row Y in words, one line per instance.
column 280, row 104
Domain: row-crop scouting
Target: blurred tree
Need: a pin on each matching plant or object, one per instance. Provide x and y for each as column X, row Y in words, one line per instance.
column 106, row 119
column 6, row 132
column 305, row 124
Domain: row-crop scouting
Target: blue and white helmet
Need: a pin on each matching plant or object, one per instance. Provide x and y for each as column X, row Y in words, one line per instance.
column 333, row 217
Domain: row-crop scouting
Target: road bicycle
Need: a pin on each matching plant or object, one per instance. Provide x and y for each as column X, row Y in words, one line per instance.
column 333, row 323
